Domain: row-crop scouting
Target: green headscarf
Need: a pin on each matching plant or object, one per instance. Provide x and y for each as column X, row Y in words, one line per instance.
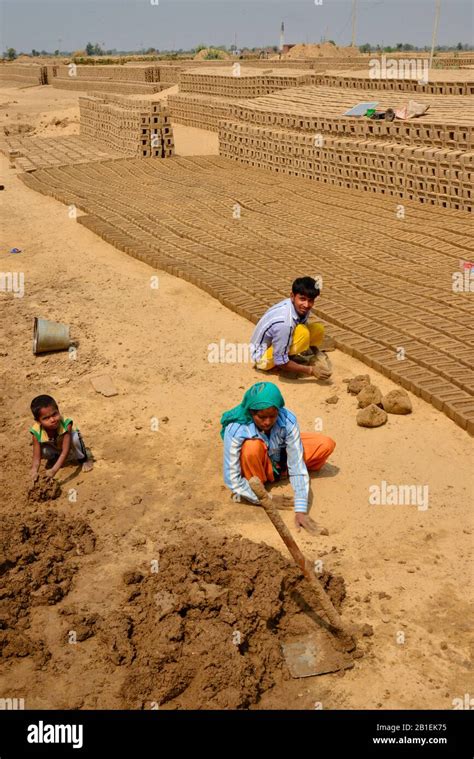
column 259, row 396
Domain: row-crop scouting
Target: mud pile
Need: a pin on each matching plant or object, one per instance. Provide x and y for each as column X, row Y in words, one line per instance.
column 36, row 568
column 44, row 489
column 204, row 631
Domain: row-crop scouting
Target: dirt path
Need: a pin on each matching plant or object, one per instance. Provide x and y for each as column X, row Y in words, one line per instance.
column 406, row 570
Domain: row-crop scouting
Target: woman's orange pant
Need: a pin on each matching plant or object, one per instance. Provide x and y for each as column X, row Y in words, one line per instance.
column 255, row 461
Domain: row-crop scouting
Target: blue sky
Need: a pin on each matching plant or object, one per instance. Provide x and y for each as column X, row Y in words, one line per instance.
column 133, row 24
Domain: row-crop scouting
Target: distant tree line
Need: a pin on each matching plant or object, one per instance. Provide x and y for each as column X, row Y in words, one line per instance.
column 95, row 49
column 406, row 47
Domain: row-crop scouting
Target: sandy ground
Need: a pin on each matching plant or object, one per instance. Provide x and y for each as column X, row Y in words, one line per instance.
column 407, row 571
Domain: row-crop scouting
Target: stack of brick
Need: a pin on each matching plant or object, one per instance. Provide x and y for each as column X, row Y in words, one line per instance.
column 23, row 73
column 461, row 87
column 140, row 80
column 199, row 111
column 319, row 110
column 131, row 127
column 441, row 177
column 239, row 82
column 205, row 95
column 303, row 132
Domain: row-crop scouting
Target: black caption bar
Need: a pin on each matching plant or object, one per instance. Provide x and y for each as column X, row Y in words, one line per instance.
column 136, row 734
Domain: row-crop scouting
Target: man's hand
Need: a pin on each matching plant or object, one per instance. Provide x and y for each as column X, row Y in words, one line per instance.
column 33, row 477
column 50, row 473
column 320, row 372
column 282, row 501
column 305, row 521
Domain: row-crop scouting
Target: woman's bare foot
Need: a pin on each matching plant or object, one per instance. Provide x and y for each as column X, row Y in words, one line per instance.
column 87, row 466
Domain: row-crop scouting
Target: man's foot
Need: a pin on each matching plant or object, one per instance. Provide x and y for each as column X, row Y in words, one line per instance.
column 87, row 465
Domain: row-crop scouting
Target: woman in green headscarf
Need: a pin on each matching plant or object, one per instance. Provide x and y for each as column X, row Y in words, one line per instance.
column 262, row 439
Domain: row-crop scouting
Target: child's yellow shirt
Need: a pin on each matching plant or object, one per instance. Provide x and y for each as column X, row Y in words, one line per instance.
column 42, row 436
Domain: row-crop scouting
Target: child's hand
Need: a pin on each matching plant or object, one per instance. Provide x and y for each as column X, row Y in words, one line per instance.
column 33, row 478
column 49, row 473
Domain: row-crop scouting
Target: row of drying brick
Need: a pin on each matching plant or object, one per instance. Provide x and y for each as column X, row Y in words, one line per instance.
column 455, row 402
column 204, row 111
column 451, row 134
column 441, row 167
column 396, row 85
column 130, row 74
column 237, row 82
column 30, row 153
column 352, row 164
column 17, row 72
column 126, row 88
column 202, row 262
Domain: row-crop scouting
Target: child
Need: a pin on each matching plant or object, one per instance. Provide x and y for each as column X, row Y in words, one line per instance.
column 262, row 439
column 54, row 438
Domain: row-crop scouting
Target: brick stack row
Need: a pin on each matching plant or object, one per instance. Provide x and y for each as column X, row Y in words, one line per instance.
column 438, row 176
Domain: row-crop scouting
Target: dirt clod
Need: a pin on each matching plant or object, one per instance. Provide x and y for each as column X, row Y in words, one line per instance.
column 44, row 489
column 369, row 394
column 355, row 385
column 397, row 402
column 371, row 416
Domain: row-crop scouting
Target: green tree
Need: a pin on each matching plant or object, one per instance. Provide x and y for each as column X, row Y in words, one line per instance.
column 11, row 53
column 89, row 48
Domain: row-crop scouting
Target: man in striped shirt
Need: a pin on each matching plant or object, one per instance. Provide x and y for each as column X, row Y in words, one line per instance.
column 262, row 439
column 283, row 334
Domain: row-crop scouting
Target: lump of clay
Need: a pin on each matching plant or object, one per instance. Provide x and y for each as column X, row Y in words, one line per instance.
column 397, row 402
column 371, row 416
column 356, row 384
column 44, row 489
column 369, row 394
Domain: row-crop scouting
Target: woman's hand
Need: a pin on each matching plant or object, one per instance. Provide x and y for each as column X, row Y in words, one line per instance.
column 304, row 521
column 282, row 501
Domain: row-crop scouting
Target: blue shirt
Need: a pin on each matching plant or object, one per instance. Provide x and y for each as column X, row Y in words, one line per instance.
column 276, row 328
column 285, row 433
